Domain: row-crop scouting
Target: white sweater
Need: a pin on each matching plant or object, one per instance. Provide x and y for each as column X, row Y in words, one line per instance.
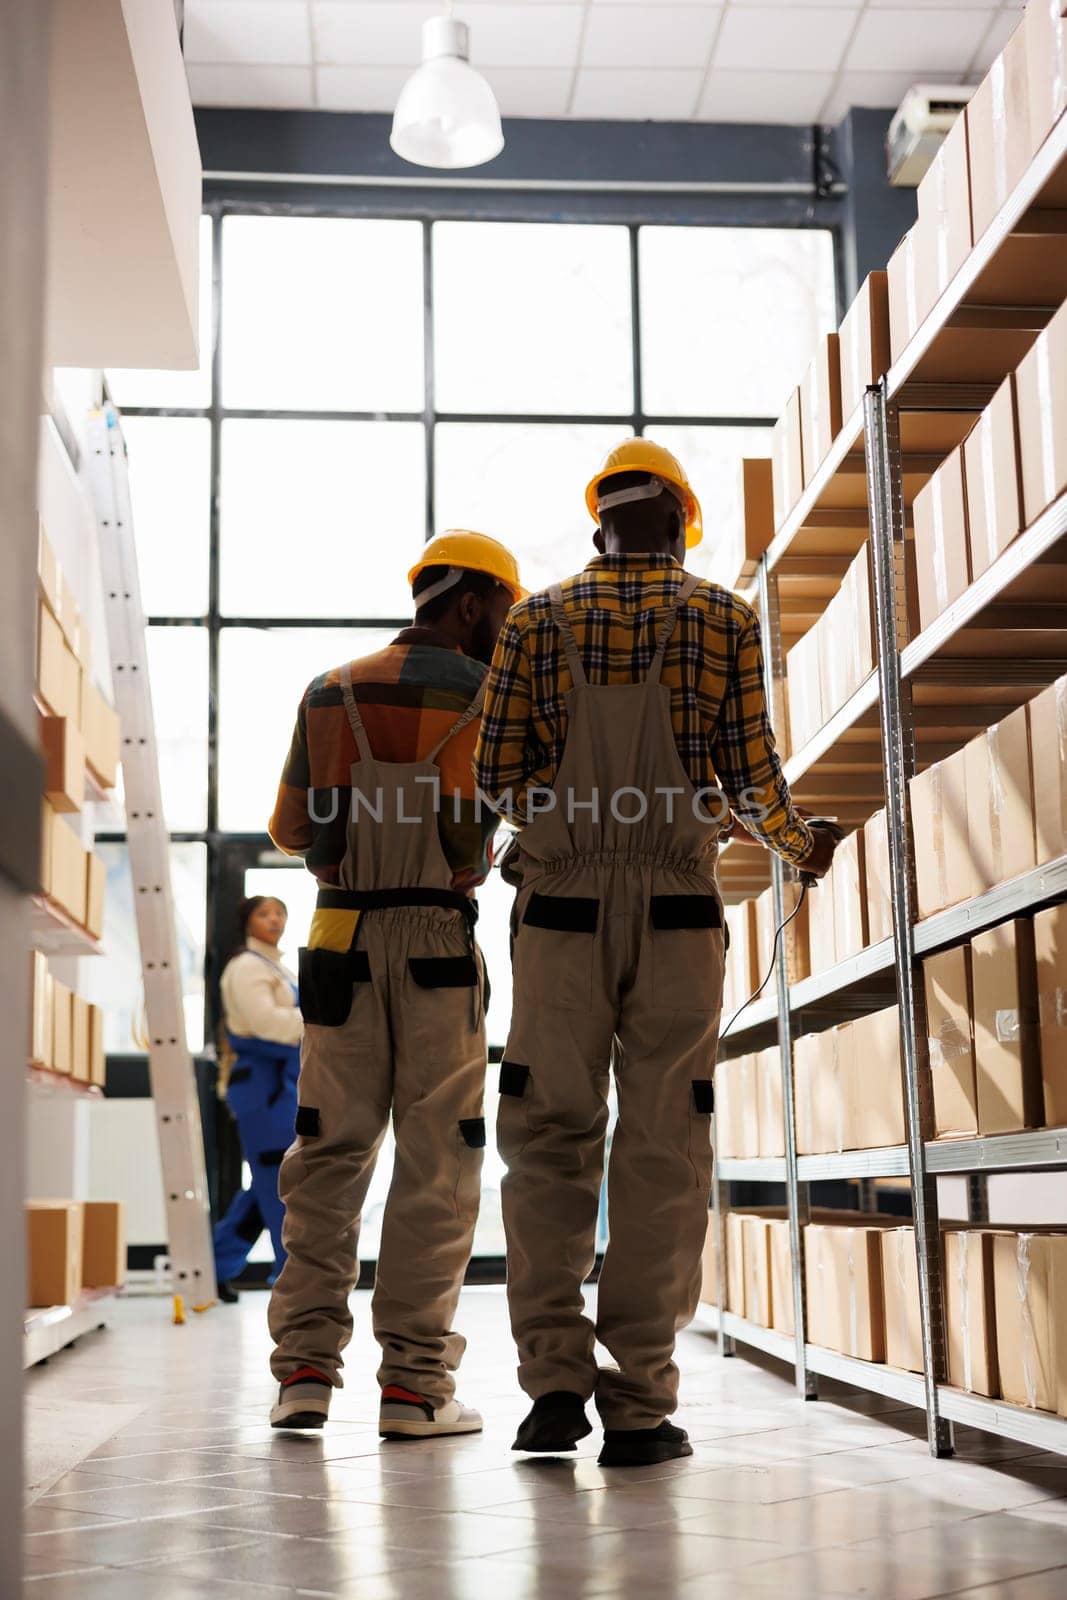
column 257, row 997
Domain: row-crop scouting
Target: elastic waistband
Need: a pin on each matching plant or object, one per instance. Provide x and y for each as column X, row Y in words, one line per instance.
column 387, row 899
column 695, row 866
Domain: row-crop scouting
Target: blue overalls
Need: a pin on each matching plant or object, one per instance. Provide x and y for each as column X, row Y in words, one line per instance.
column 261, row 1093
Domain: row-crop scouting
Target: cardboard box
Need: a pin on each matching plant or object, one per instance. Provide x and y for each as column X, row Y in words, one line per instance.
column 941, row 554
column 822, row 941
column 95, row 885
column 998, row 133
column 876, row 872
column 846, row 638
column 41, row 1004
column 1044, row 30
column 902, row 299
column 843, row 1275
column 969, row 1311
column 734, row 1299
column 1000, row 801
column 821, row 404
column 900, row 1294
column 950, row 1038
column 64, row 756
column 864, row 341
column 742, row 959
column 822, row 1086
column 797, row 945
column 787, row 460
column 97, row 1056
column 1048, row 765
column 782, row 1310
column 850, row 897
column 944, row 867
column 736, row 1109
column 1031, row 1339
column 80, row 1064
column 745, row 538
column 757, row 1269
column 709, row 1270
column 1041, row 397
column 104, row 1244
column 769, row 1094
column 54, row 1252
column 1050, row 957
column 58, row 673
column 47, row 572
column 1006, row 1042
column 944, row 204
column 66, row 884
column 62, row 1028
column 991, row 471
column 870, row 1081
column 804, row 682
column 100, row 725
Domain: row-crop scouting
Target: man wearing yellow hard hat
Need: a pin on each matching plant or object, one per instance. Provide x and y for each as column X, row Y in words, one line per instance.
column 624, row 717
column 378, row 798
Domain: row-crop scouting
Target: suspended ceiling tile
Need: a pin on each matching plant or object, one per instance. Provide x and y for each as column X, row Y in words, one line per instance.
column 790, row 97
column 532, row 35
column 277, row 88
column 532, row 91
column 1001, row 27
column 240, row 32
column 650, row 36
column 629, row 93
column 788, row 39
column 359, row 88
column 923, row 42
column 873, row 89
column 350, row 34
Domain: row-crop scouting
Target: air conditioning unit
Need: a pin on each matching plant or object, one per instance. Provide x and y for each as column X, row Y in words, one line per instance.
column 916, row 132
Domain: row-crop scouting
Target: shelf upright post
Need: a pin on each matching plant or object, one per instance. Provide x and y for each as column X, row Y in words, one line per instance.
column 881, row 434
column 720, row 1202
column 796, row 1197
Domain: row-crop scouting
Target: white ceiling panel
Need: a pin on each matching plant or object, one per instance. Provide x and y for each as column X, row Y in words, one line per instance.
column 884, row 89
column 359, row 88
column 793, row 38
column 533, row 91
column 277, row 88
column 1002, row 25
column 789, row 97
column 649, row 36
column 630, row 94
column 351, row 34
column 533, row 35
column 248, row 31
column 923, row 41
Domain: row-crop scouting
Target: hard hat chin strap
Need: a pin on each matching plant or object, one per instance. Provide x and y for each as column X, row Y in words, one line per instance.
column 641, row 491
column 449, row 581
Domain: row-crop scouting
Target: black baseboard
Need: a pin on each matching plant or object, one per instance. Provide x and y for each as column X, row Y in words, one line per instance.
column 481, row 1270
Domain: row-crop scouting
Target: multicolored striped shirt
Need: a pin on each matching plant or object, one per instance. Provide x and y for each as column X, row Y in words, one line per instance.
column 713, row 666
column 409, row 695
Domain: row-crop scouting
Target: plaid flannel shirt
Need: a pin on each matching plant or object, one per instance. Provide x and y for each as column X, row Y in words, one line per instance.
column 409, row 695
column 713, row 667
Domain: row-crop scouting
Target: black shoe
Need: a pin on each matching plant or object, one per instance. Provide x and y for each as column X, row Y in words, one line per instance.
column 643, row 1447
column 227, row 1294
column 556, row 1422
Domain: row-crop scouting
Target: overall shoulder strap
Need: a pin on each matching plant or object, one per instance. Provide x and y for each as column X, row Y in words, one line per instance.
column 685, row 589
column 468, row 716
column 356, row 721
column 566, row 633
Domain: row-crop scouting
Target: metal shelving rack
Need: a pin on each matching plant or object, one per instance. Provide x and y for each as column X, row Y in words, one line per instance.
column 921, row 380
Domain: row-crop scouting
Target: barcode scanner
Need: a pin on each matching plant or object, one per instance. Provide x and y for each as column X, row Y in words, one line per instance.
column 808, row 880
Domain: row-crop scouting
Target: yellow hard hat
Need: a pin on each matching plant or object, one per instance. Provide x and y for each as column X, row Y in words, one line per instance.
column 473, row 552
column 644, row 455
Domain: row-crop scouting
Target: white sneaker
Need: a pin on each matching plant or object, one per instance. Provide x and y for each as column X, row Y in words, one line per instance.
column 406, row 1415
column 303, row 1401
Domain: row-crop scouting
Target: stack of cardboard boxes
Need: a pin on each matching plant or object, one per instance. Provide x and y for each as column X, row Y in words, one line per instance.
column 1006, row 1312
column 994, row 809
column 79, row 736
column 997, row 1020
column 829, row 663
column 73, row 1245
column 748, row 1106
column 847, row 1086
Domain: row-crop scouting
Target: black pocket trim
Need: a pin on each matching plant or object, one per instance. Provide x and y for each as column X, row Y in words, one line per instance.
column 270, row 1158
column 704, row 1096
column 473, row 1131
column 307, row 1122
column 327, row 978
column 359, row 963
column 562, row 913
column 685, row 911
column 240, row 1075
column 443, row 972
column 513, row 1078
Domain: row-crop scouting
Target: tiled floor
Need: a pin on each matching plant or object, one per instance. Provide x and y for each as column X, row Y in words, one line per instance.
column 835, row 1498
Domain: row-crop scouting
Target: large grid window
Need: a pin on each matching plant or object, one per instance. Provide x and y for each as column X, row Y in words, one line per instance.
column 366, row 382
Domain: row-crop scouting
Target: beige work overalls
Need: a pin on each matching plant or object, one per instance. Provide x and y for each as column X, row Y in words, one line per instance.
column 618, row 956
column 394, row 1022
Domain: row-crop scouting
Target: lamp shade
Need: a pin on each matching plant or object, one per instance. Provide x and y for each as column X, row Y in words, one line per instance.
column 447, row 115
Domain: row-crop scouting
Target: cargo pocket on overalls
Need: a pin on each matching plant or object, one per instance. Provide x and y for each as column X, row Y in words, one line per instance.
column 470, row 1144
column 553, row 951
column 701, row 1106
column 327, row 984
column 512, row 1120
column 686, row 931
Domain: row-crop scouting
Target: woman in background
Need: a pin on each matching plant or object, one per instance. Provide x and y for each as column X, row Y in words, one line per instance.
column 263, row 1029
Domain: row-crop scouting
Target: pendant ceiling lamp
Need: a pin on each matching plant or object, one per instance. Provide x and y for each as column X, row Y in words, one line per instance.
column 447, row 115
